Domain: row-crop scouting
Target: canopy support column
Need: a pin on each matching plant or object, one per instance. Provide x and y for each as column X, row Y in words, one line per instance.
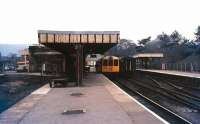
column 79, row 64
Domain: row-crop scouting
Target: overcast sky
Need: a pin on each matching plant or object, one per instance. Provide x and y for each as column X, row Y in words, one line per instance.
column 135, row 19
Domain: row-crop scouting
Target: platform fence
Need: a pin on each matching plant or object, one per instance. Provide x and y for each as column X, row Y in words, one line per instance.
column 184, row 67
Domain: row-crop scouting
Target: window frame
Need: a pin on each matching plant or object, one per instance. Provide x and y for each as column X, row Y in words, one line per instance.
column 116, row 62
column 105, row 62
column 110, row 62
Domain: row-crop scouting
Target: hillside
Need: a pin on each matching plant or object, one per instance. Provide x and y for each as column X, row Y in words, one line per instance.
column 174, row 52
column 6, row 49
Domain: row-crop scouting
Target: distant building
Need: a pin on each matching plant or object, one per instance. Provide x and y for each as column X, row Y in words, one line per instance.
column 23, row 62
column 43, row 59
column 8, row 63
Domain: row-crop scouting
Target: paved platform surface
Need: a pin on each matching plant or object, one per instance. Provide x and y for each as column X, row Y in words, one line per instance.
column 18, row 111
column 178, row 73
column 104, row 102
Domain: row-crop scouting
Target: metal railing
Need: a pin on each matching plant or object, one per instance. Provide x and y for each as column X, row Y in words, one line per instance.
column 184, row 67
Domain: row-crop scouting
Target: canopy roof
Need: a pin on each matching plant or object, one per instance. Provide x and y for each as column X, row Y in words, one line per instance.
column 149, row 55
column 78, row 32
column 78, row 37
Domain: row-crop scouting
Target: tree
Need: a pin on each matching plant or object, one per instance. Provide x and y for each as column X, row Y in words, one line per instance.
column 164, row 37
column 144, row 41
column 185, row 41
column 176, row 37
column 197, row 40
column 197, row 34
column 125, row 40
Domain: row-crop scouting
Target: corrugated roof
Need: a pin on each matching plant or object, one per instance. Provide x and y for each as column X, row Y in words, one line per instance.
column 78, row 32
column 47, row 53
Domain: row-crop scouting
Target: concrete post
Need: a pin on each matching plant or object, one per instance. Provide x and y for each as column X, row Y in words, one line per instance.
column 79, row 63
column 64, row 64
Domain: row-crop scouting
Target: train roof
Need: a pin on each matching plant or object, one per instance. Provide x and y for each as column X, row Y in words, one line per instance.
column 148, row 55
column 110, row 57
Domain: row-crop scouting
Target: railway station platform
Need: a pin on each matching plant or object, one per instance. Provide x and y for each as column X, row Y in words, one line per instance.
column 99, row 101
column 175, row 73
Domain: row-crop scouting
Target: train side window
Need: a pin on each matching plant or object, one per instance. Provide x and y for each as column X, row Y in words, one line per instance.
column 115, row 62
column 105, row 62
column 110, row 62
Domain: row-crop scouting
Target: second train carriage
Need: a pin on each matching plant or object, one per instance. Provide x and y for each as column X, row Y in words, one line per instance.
column 127, row 65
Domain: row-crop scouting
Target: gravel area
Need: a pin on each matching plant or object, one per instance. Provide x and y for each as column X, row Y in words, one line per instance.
column 15, row 86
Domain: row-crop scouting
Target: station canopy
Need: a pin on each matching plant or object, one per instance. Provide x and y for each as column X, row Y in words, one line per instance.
column 75, row 45
column 92, row 41
column 149, row 55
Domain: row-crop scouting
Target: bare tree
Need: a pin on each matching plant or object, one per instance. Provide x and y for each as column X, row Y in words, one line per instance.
column 144, row 41
column 197, row 34
column 176, row 37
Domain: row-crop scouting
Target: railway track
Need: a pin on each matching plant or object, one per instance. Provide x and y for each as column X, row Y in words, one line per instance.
column 167, row 93
column 183, row 96
column 179, row 83
column 176, row 89
column 136, row 86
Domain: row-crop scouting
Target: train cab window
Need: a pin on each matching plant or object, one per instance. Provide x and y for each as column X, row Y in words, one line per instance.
column 105, row 62
column 110, row 62
column 93, row 56
column 115, row 62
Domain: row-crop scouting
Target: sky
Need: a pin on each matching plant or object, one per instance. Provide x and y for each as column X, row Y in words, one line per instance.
column 135, row 19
